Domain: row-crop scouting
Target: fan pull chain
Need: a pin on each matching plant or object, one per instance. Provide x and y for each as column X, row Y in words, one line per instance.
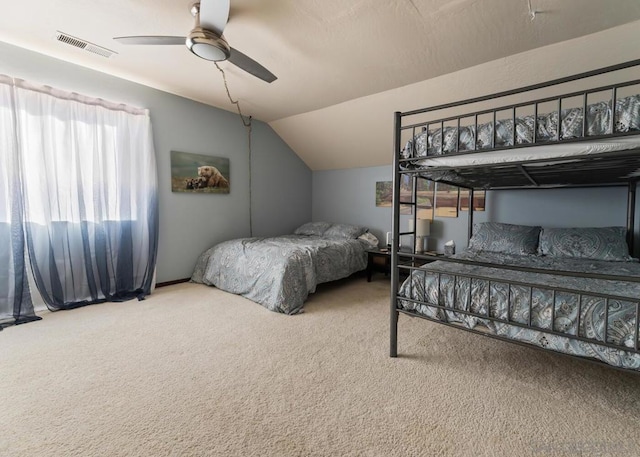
column 248, row 125
column 234, row 102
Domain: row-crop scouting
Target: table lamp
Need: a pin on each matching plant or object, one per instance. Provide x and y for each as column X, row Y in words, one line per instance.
column 423, row 229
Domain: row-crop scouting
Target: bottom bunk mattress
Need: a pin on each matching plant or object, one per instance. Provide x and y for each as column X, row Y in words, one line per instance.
column 540, row 303
column 280, row 272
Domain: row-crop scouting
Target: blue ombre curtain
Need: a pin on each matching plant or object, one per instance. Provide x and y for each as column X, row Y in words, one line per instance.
column 16, row 306
column 89, row 195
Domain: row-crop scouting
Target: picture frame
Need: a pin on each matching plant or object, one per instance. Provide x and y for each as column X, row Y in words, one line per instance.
column 384, row 196
column 446, row 201
column 425, row 196
column 199, row 173
column 479, row 200
column 425, row 190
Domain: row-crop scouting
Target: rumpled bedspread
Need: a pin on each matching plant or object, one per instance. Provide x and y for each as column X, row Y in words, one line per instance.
column 279, row 272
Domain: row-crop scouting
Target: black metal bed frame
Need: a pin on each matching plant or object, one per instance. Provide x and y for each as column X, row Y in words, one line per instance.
column 606, row 169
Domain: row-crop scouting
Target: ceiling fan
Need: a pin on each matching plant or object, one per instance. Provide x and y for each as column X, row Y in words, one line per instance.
column 206, row 40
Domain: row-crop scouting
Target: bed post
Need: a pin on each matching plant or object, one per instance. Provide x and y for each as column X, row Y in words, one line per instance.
column 470, row 221
column 395, row 227
column 631, row 216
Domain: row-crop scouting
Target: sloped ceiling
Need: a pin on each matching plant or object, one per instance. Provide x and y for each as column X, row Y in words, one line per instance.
column 331, row 56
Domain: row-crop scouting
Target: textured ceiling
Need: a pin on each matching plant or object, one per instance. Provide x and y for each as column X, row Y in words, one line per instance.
column 324, row 52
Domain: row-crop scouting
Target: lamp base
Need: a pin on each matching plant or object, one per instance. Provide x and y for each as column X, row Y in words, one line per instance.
column 419, row 245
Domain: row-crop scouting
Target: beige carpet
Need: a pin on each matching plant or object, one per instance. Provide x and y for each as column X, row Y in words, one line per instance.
column 193, row 371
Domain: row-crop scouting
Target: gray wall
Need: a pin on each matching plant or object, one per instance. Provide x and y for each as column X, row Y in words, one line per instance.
column 349, row 196
column 281, row 185
column 190, row 223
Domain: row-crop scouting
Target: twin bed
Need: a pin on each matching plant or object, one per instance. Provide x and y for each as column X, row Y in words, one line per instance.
column 571, row 290
column 280, row 272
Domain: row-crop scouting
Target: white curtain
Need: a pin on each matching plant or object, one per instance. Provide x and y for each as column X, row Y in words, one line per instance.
column 88, row 193
column 15, row 300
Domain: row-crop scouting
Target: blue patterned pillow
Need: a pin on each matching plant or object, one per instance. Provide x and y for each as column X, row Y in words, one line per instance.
column 598, row 118
column 347, row 231
column 312, row 228
column 595, row 243
column 504, row 238
column 628, row 114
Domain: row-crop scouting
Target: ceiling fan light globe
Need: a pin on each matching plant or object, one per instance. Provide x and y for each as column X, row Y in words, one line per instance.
column 208, row 52
column 208, row 45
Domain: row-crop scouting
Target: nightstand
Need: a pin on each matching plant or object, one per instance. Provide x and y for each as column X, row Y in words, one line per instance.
column 380, row 260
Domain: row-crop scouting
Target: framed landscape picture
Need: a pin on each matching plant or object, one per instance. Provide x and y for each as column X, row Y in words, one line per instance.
column 424, row 201
column 446, row 200
column 384, row 196
column 197, row 173
column 478, row 200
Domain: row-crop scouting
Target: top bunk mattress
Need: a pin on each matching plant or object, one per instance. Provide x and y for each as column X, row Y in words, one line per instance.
column 538, row 154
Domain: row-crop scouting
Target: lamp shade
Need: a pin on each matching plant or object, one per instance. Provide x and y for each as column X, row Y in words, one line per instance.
column 423, row 227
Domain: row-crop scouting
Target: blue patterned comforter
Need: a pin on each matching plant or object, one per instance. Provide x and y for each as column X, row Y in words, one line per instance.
column 279, row 273
column 549, row 311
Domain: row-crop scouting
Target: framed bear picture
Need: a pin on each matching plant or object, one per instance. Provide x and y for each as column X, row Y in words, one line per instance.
column 199, row 173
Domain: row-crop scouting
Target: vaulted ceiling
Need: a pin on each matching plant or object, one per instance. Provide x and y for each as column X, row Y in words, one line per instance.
column 328, row 55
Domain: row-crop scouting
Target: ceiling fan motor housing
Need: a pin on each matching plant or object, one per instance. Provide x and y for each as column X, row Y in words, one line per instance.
column 207, row 45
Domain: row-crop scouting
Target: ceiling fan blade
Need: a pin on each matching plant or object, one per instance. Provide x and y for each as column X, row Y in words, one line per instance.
column 249, row 65
column 214, row 15
column 152, row 40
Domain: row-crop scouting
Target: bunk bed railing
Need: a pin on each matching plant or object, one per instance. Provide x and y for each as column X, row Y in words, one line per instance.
column 610, row 87
column 517, row 342
column 608, row 131
column 505, row 315
column 477, row 263
column 443, row 124
column 529, row 88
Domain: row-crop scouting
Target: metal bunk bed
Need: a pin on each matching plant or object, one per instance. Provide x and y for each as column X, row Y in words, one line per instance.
column 617, row 166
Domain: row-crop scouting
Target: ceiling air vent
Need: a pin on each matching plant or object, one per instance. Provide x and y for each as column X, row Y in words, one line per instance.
column 83, row 44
